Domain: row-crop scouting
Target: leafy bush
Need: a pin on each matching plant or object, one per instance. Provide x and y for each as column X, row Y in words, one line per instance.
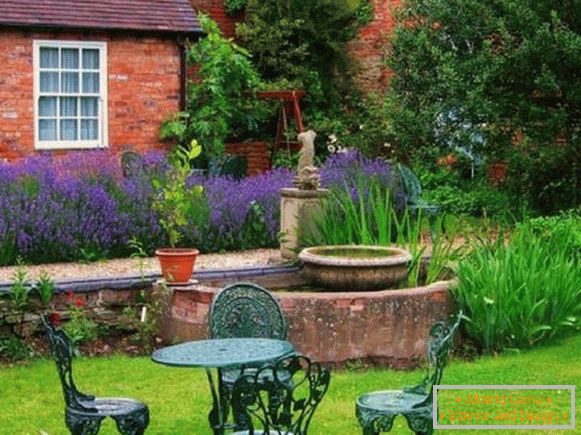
column 495, row 71
column 219, row 99
column 523, row 292
column 303, row 42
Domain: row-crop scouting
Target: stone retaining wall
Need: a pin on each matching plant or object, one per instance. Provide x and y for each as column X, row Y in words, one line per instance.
column 382, row 328
column 105, row 306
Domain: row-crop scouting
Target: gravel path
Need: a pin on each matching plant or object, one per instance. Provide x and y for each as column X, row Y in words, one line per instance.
column 130, row 267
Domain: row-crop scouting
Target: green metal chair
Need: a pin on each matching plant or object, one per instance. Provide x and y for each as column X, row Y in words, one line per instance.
column 277, row 406
column 413, row 190
column 84, row 413
column 245, row 310
column 376, row 411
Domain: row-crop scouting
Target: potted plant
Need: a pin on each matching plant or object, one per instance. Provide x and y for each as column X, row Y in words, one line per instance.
column 173, row 203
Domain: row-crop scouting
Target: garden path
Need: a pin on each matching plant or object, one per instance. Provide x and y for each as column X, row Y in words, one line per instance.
column 131, row 266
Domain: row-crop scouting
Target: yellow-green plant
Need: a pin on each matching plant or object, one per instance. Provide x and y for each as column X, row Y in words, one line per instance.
column 174, row 200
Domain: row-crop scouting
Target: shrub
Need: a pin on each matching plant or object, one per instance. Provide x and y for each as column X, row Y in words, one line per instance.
column 303, row 43
column 493, row 71
column 523, row 292
column 80, row 206
column 219, row 99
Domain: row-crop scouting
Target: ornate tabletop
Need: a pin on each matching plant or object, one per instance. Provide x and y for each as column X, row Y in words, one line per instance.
column 223, row 353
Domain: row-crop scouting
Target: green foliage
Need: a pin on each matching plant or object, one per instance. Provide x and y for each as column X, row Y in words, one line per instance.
column 175, row 200
column 370, row 218
column 15, row 349
column 20, row 290
column 45, row 288
column 219, row 103
column 144, row 318
column 19, row 296
column 359, row 122
column 479, row 73
column 80, row 328
column 234, row 6
column 523, row 292
column 303, row 42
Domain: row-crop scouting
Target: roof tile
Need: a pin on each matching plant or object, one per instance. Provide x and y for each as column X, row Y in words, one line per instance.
column 145, row 15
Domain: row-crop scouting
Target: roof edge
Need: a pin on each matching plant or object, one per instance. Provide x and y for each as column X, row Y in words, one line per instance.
column 169, row 32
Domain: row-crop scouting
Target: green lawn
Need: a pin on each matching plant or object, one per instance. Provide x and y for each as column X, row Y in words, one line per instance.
column 31, row 401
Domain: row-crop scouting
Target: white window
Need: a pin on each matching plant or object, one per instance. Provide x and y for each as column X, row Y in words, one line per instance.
column 70, row 94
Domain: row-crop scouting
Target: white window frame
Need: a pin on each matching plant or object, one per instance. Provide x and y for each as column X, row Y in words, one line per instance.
column 103, row 133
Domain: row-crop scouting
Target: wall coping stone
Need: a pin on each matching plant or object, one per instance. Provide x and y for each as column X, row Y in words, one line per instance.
column 94, row 284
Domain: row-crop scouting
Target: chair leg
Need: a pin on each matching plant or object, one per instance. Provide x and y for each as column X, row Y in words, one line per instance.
column 82, row 425
column 134, row 423
column 420, row 424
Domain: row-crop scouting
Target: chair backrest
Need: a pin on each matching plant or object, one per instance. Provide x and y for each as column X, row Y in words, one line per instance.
column 61, row 350
column 281, row 397
column 245, row 310
column 410, row 183
column 439, row 346
column 131, row 164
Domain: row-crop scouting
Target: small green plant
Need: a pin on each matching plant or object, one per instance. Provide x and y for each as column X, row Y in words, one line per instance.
column 521, row 292
column 145, row 319
column 19, row 296
column 138, row 252
column 175, row 202
column 45, row 289
column 79, row 328
column 15, row 349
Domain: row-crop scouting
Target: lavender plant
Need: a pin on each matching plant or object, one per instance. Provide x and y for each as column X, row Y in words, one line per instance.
column 56, row 209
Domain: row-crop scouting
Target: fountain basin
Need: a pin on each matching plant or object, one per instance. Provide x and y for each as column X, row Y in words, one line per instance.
column 355, row 267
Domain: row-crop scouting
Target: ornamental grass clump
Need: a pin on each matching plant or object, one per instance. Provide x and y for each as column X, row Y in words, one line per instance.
column 522, row 292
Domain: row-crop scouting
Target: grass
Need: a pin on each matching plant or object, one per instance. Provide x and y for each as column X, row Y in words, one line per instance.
column 31, row 401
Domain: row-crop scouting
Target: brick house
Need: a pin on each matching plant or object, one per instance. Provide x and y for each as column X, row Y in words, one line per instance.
column 83, row 74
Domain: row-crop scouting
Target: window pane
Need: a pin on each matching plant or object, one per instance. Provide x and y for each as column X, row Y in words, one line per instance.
column 89, row 129
column 49, row 82
column 90, row 59
column 69, row 106
column 68, row 129
column 70, row 82
column 47, row 106
column 70, row 58
column 47, row 129
column 91, row 83
column 89, row 106
column 49, row 57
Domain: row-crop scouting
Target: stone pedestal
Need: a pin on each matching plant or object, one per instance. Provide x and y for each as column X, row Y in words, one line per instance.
column 296, row 206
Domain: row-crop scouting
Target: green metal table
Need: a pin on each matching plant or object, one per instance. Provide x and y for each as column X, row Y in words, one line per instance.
column 220, row 354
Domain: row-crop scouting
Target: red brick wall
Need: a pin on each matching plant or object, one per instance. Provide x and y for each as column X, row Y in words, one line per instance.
column 388, row 328
column 215, row 9
column 143, row 88
column 256, row 153
column 369, row 47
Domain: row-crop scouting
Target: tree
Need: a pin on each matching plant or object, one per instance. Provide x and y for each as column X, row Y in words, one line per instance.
column 507, row 71
column 303, row 42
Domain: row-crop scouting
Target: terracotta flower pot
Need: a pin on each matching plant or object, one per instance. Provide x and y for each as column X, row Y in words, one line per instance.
column 177, row 264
